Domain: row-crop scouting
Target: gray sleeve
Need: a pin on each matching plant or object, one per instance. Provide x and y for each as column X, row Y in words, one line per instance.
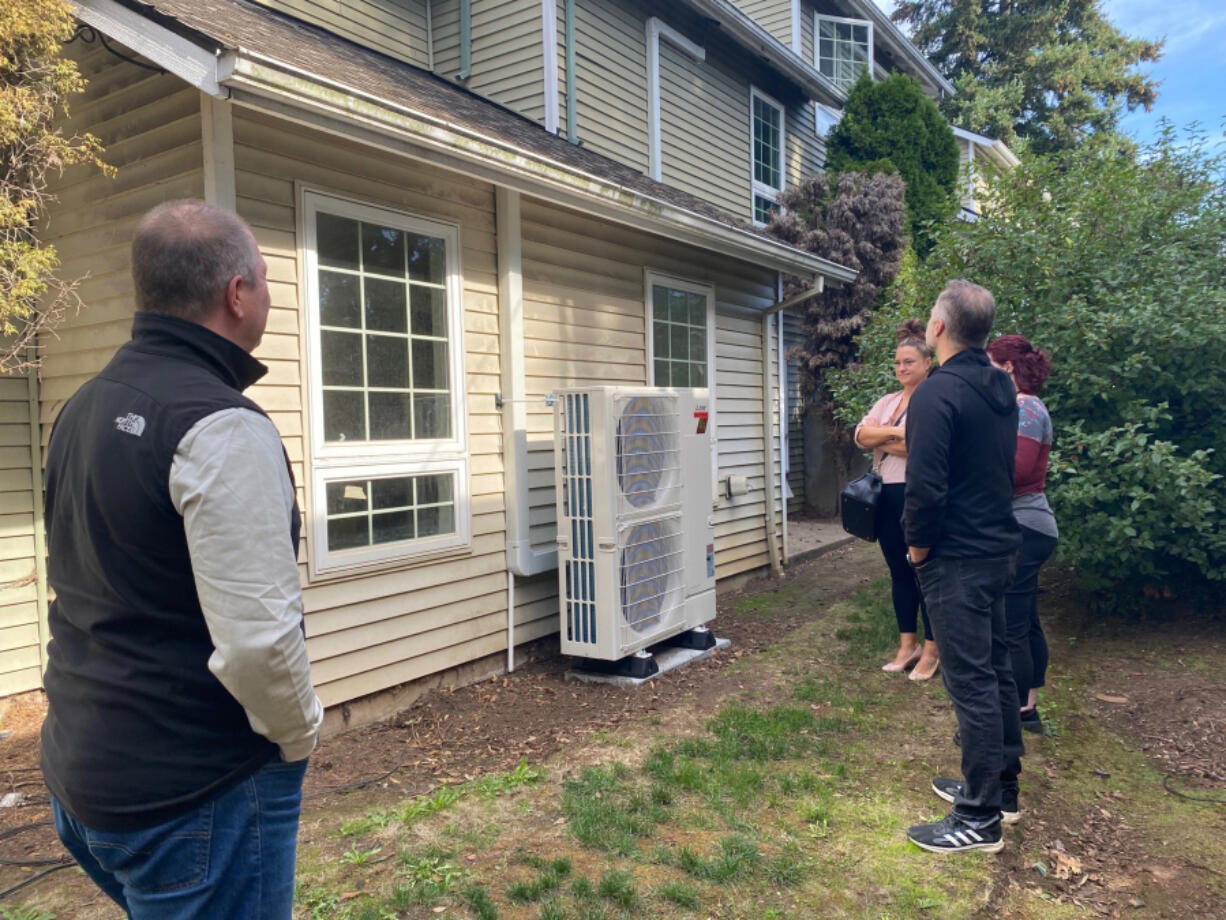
column 229, row 482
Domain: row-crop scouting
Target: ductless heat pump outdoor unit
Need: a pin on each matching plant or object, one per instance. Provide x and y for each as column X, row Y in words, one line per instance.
column 636, row 552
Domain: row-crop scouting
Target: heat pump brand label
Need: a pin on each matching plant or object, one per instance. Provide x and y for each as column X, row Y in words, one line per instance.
column 700, row 414
column 710, row 560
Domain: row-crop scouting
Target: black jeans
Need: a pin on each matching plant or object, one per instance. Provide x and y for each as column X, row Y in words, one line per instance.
column 966, row 601
column 903, row 586
column 1027, row 644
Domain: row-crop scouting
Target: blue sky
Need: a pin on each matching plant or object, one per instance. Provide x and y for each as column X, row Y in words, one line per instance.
column 1192, row 70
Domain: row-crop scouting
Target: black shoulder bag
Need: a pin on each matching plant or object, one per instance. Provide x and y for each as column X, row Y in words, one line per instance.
column 860, row 500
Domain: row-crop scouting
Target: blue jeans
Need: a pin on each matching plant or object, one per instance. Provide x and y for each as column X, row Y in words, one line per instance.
column 966, row 602
column 232, row 857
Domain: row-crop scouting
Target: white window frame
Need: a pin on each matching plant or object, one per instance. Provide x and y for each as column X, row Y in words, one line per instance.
column 835, row 116
column 650, row 280
column 333, row 462
column 761, row 189
column 818, row 18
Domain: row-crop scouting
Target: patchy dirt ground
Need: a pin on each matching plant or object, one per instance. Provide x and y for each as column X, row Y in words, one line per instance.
column 1123, row 682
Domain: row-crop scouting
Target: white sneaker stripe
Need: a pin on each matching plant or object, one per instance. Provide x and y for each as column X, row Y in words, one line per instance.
column 975, row 834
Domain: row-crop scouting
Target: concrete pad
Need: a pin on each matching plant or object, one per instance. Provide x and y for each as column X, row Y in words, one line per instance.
column 667, row 659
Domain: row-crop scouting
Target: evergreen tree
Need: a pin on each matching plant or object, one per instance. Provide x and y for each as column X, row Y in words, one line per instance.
column 1047, row 73
column 893, row 126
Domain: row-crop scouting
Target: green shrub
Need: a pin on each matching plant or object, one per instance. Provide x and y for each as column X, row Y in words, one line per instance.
column 1113, row 263
column 892, row 125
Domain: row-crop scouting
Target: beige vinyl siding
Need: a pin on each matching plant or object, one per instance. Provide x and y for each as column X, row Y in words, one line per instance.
column 610, row 80
column 806, row 152
column 793, row 334
column 740, row 522
column 773, row 15
column 21, row 632
column 584, row 324
column 367, row 632
column 704, row 130
column 808, row 50
column 397, row 28
column 151, row 126
column 509, row 57
column 446, row 37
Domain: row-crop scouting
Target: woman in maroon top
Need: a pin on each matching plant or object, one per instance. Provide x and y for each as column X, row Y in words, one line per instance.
column 1029, row 368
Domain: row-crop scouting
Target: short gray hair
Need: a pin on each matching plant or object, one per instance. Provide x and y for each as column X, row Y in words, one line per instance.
column 968, row 311
column 184, row 253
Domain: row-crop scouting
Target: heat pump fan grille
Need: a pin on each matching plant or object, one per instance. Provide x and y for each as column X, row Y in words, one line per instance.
column 651, row 576
column 580, row 569
column 648, row 452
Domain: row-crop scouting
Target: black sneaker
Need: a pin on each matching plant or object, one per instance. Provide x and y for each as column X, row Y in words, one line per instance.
column 1031, row 721
column 948, row 789
column 953, row 835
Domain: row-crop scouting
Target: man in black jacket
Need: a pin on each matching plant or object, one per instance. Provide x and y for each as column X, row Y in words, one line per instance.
column 963, row 542
column 181, row 710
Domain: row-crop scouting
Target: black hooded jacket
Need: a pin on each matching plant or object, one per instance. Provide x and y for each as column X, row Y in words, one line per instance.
column 961, row 444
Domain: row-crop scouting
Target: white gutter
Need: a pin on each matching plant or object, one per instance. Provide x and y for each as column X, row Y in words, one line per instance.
column 997, row 151
column 657, row 30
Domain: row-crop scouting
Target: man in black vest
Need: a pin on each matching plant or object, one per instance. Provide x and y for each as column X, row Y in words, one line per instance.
column 181, row 709
column 963, row 542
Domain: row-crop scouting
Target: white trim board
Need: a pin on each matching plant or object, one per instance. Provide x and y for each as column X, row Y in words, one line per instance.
column 656, row 32
column 176, row 54
column 549, row 38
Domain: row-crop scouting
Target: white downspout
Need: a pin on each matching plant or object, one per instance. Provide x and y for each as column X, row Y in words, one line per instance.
column 514, row 411
column 768, row 442
column 657, row 30
column 783, row 418
column 510, row 621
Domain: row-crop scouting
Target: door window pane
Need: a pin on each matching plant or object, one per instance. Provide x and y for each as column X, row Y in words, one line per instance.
column 679, row 337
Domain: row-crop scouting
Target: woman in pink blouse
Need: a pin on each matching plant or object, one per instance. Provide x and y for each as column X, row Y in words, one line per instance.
column 883, row 431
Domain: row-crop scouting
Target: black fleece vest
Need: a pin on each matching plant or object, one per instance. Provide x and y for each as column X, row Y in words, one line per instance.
column 138, row 730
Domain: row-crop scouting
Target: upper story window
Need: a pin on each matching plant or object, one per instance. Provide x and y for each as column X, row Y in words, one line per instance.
column 844, row 48
column 388, row 460
column 825, row 118
column 767, row 117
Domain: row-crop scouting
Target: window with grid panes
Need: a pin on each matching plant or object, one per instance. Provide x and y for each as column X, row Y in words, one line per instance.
column 767, row 120
column 387, row 469
column 679, row 337
column 844, row 48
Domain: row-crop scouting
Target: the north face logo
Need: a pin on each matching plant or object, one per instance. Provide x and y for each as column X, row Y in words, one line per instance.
column 131, row 423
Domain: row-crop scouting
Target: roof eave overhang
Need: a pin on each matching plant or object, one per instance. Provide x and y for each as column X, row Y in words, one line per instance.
column 254, row 80
column 748, row 34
